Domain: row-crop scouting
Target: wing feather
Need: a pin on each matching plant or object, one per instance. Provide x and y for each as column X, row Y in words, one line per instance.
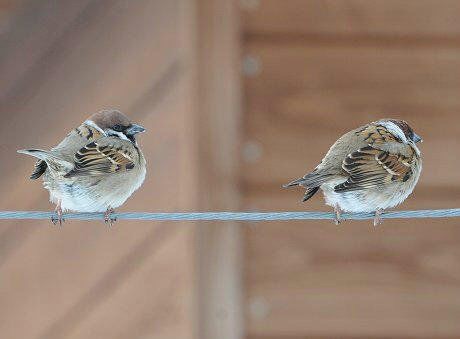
column 95, row 159
column 370, row 167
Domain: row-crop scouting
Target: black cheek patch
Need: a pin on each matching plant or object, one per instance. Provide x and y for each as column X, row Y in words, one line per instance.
column 131, row 138
column 407, row 176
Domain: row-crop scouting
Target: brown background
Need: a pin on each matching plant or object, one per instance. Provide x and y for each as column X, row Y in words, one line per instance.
column 238, row 98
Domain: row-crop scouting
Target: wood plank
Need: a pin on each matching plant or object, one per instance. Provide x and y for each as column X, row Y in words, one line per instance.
column 305, row 97
column 84, row 280
column 9, row 10
column 342, row 337
column 358, row 18
column 150, row 304
column 22, row 50
column 398, row 280
column 312, row 279
column 46, row 96
column 81, row 253
column 218, row 122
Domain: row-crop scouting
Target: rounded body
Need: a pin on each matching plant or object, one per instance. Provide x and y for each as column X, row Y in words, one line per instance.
column 382, row 194
column 96, row 167
column 94, row 194
column 368, row 169
column 370, row 200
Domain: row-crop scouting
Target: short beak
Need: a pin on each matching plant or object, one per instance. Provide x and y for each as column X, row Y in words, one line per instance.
column 417, row 138
column 134, row 129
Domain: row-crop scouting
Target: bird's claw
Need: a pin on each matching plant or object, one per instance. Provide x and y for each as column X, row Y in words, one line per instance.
column 109, row 219
column 378, row 217
column 56, row 218
column 337, row 217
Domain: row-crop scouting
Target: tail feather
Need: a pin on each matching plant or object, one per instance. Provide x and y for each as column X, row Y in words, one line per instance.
column 39, row 168
column 311, row 181
column 309, row 193
column 297, row 182
column 52, row 160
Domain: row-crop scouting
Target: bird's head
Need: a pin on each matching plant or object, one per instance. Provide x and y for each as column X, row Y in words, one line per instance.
column 401, row 130
column 114, row 123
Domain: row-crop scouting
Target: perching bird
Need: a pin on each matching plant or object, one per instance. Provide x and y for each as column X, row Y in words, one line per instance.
column 95, row 168
column 369, row 169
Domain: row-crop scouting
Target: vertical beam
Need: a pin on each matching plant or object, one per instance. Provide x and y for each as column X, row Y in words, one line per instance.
column 218, row 126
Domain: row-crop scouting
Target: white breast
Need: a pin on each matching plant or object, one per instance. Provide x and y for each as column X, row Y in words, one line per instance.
column 84, row 196
column 371, row 199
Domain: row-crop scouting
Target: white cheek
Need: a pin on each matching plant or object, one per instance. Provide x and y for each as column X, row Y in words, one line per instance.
column 92, row 124
column 395, row 130
column 119, row 134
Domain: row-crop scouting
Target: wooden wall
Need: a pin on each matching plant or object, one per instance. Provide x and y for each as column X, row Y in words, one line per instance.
column 314, row 70
column 173, row 66
column 218, row 125
column 60, row 62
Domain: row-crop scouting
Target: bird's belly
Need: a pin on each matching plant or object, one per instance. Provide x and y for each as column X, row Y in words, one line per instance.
column 82, row 196
column 366, row 200
column 83, row 200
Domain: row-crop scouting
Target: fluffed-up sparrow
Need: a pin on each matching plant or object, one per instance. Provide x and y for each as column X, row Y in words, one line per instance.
column 95, row 168
column 369, row 169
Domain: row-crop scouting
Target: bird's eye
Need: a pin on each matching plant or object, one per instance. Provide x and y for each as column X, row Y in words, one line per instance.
column 118, row 128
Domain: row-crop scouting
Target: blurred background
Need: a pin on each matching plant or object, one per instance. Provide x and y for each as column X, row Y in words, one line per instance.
column 238, row 97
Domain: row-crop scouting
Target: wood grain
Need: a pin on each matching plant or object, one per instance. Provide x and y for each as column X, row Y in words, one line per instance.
column 377, row 18
column 397, row 280
column 326, row 67
column 218, row 121
column 84, row 280
column 305, row 97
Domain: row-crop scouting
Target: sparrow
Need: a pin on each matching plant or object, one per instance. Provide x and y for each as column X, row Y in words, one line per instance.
column 368, row 169
column 95, row 168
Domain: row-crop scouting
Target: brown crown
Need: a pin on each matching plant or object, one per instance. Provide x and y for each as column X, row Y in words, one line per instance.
column 109, row 118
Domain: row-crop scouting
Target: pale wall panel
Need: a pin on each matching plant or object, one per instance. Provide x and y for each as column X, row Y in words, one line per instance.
column 85, row 280
column 335, row 18
column 305, row 97
column 321, row 69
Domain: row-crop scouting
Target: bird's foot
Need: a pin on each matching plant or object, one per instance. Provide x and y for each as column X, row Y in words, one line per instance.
column 337, row 212
column 58, row 217
column 109, row 219
column 378, row 216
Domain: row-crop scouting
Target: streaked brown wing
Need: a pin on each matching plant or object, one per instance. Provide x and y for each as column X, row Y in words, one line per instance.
column 375, row 134
column 369, row 167
column 95, row 160
column 39, row 169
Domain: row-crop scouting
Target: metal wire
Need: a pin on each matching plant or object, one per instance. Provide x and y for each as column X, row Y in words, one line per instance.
column 235, row 216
